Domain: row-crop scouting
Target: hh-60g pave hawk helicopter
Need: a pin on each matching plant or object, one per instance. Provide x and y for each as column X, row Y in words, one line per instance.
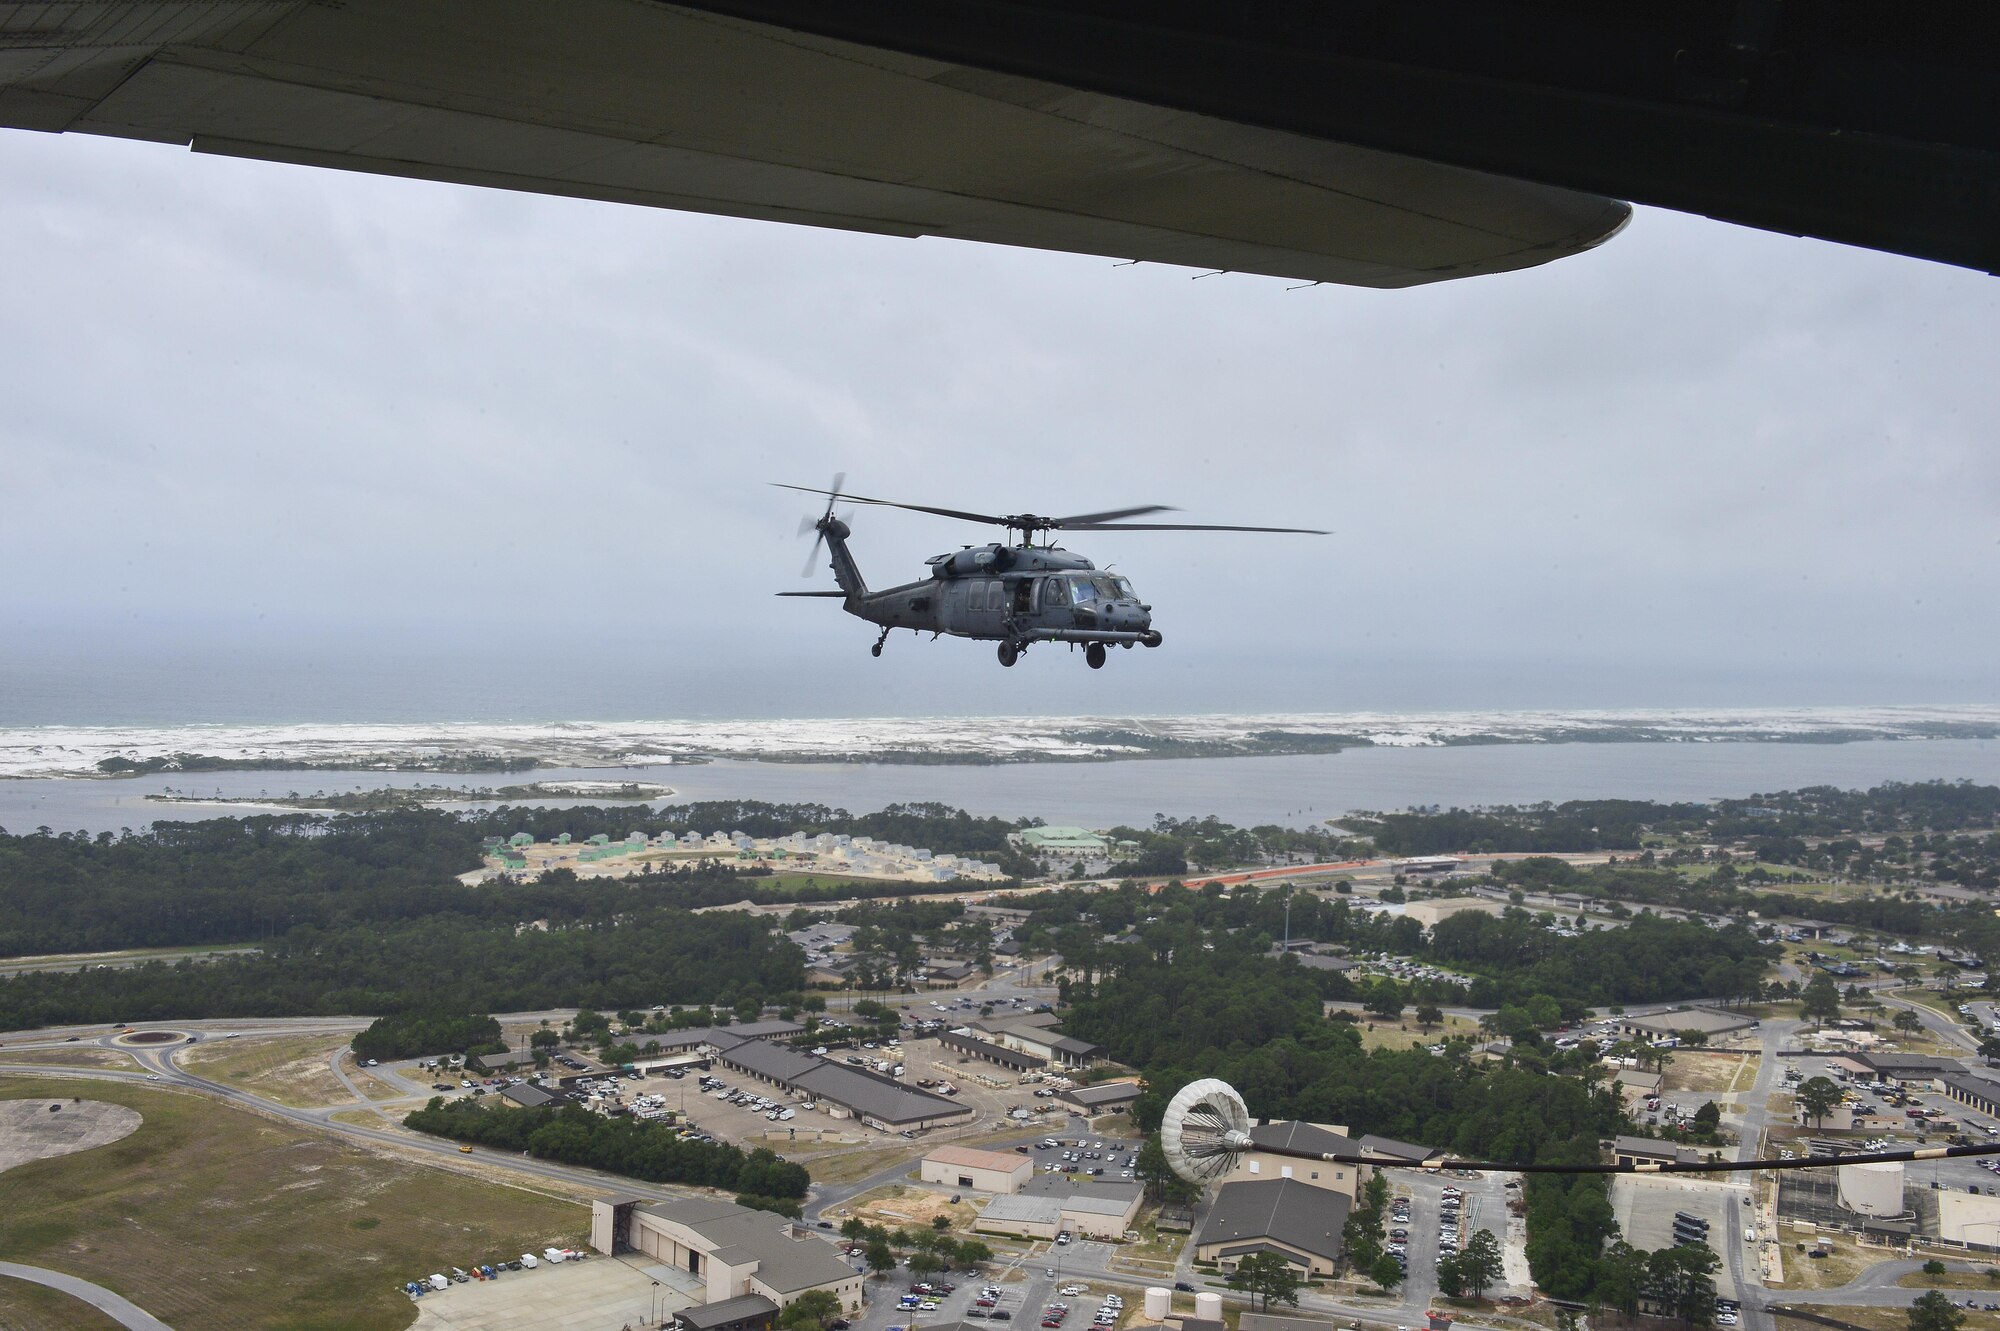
column 1012, row 594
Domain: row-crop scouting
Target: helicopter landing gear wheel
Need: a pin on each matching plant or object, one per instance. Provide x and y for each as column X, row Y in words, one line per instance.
column 876, row 650
column 1009, row 653
column 1093, row 656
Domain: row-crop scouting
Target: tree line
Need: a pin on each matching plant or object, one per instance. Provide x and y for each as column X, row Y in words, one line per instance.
column 631, row 1147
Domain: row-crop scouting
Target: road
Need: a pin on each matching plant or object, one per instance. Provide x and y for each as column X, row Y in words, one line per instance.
column 115, row 1306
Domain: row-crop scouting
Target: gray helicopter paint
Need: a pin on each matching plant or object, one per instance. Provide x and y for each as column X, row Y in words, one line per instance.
column 1012, row 594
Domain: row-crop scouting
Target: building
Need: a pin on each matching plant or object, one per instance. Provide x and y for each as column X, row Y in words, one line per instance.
column 1974, row 1092
column 1707, row 1022
column 1430, row 913
column 1644, row 1151
column 1920, row 1070
column 979, row 1171
column 1048, row 1204
column 1260, row 1163
column 841, row 1090
column 529, row 1097
column 1062, row 843
column 736, row 1251
column 1033, row 1033
column 1012, row 1059
column 1290, row 1218
column 1105, row 1097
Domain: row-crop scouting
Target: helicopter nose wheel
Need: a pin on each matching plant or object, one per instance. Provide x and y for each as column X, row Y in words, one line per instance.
column 1009, row 653
column 1093, row 656
column 876, row 650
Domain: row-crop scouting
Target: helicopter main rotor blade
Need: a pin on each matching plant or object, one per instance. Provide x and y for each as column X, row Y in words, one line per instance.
column 961, row 514
column 1072, row 522
column 1184, row 526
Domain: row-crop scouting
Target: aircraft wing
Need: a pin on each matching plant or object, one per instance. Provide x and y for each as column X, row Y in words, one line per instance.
column 638, row 102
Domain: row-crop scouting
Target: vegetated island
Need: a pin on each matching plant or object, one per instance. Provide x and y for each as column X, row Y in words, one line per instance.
column 416, row 797
column 472, row 761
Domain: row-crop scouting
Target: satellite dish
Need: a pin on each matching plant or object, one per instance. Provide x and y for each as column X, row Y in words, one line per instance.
column 1205, row 1128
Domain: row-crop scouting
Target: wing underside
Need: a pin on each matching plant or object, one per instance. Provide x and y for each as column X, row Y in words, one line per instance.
column 651, row 104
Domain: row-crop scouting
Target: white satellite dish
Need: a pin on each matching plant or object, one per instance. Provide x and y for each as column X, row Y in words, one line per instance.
column 1205, row 1128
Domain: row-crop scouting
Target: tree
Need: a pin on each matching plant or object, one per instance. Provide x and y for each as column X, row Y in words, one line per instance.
column 1386, row 1272
column 881, row 1257
column 1679, row 1279
column 1429, row 1015
column 925, row 1263
column 971, row 1252
column 1907, row 1022
column 1821, row 1000
column 853, row 1227
column 1267, row 1276
column 1153, row 1169
column 1935, row 1312
column 1479, row 1263
column 1707, row 1118
column 1989, row 1049
column 811, row 1311
column 1818, row 1097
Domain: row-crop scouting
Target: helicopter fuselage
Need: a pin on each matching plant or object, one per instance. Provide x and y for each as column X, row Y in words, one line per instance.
column 1014, row 595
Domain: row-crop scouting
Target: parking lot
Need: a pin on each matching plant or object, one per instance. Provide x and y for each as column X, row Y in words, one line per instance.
column 1430, row 1223
column 1022, row 1291
column 595, row 1295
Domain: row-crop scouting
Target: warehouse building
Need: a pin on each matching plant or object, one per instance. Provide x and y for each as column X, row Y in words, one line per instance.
column 1705, row 1021
column 1287, row 1217
column 739, row 1253
column 1012, row 1059
column 843, row 1091
column 1260, row 1163
column 979, row 1171
column 1033, row 1033
column 1106, row 1097
column 1049, row 1204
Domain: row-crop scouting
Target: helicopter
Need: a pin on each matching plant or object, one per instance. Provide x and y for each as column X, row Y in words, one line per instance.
column 1014, row 592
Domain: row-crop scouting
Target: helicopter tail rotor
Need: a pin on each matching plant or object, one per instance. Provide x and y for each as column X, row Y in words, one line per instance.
column 817, row 526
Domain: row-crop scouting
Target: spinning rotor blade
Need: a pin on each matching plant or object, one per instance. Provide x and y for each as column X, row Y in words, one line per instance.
column 808, row 524
column 1183, row 526
column 837, row 493
column 1077, row 520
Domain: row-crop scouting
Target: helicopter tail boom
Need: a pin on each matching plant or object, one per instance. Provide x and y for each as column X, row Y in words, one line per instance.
column 846, row 572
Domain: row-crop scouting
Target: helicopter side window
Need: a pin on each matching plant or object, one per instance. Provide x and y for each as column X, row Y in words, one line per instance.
column 1081, row 591
column 1052, row 593
column 1023, row 589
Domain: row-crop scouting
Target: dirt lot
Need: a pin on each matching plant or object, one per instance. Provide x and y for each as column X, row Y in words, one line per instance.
column 1717, row 1073
column 290, row 1069
column 46, row 1129
column 916, row 1207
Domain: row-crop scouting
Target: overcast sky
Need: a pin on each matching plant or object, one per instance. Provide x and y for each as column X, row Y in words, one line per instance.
column 283, row 443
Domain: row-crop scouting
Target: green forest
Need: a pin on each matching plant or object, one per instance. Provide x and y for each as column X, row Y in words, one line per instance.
column 650, row 1151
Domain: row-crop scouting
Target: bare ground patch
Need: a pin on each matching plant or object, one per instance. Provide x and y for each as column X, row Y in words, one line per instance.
column 45, row 1129
column 290, row 1069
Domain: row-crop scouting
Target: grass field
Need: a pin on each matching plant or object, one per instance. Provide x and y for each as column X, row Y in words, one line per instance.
column 1379, row 1034
column 30, row 1307
column 76, row 1056
column 1953, row 1280
column 290, row 1069
column 215, row 1217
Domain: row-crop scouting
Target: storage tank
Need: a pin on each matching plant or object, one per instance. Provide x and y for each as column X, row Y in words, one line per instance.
column 1158, row 1301
column 1208, row 1306
column 1872, row 1189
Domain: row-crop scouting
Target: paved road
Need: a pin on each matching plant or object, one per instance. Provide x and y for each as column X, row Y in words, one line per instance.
column 115, row 1306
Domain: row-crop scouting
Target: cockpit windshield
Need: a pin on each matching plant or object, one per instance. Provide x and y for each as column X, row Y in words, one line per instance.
column 1084, row 588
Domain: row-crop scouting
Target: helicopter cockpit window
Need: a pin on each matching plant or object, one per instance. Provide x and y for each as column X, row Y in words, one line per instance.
column 1110, row 588
column 1082, row 591
column 1123, row 588
column 1053, row 592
